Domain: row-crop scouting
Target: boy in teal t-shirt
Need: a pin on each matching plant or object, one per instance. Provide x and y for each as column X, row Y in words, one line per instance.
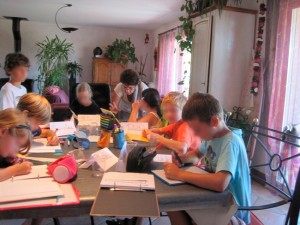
column 222, row 151
column 228, row 153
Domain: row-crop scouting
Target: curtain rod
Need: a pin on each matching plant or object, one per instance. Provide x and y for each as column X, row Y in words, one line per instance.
column 169, row 30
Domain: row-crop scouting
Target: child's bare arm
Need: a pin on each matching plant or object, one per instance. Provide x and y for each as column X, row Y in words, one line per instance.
column 15, row 170
column 212, row 181
column 178, row 146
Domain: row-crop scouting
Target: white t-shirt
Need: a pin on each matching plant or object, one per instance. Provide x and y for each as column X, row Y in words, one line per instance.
column 125, row 104
column 10, row 95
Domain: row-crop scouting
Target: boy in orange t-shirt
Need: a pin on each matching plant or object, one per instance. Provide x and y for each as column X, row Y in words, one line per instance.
column 181, row 138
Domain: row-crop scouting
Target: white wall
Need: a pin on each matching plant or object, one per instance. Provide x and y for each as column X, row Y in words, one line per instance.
column 85, row 40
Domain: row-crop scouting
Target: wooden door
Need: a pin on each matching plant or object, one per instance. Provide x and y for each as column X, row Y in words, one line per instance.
column 101, row 71
column 200, row 55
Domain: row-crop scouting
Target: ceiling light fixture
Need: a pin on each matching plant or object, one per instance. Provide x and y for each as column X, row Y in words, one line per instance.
column 64, row 29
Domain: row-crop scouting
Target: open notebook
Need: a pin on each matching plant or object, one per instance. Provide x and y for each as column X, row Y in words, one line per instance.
column 36, row 173
column 39, row 145
column 160, row 174
column 63, row 128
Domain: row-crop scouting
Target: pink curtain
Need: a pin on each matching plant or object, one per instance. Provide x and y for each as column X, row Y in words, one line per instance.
column 170, row 65
column 284, row 101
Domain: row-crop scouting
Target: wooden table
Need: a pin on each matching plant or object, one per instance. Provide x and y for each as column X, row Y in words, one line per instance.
column 183, row 197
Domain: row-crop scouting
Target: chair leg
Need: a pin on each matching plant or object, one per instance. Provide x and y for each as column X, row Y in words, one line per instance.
column 92, row 220
column 56, row 221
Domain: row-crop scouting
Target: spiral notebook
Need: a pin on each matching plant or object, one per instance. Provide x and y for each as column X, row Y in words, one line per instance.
column 160, row 174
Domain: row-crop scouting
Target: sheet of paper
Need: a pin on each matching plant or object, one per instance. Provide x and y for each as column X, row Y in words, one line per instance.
column 161, row 175
column 69, row 196
column 36, row 172
column 40, row 159
column 104, row 157
column 39, row 145
column 93, row 138
column 134, row 128
column 89, row 120
column 131, row 181
column 63, row 128
column 19, row 190
column 162, row 158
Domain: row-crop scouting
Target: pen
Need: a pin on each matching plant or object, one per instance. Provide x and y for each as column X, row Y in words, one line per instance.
column 181, row 164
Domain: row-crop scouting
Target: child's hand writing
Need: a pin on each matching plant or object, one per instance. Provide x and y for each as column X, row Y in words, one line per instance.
column 146, row 132
column 22, row 168
column 54, row 140
column 172, row 171
column 183, row 158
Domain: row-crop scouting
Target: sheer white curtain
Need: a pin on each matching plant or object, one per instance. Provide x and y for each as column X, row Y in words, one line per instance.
column 173, row 67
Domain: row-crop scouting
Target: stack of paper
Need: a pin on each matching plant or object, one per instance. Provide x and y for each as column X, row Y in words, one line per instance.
column 40, row 145
column 19, row 190
column 35, row 189
column 63, row 128
column 134, row 131
column 70, row 196
column 128, row 181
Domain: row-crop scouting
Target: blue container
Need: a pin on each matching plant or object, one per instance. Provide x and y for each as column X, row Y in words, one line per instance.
column 119, row 139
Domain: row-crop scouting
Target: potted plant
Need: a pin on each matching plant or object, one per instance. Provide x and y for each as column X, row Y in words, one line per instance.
column 121, row 51
column 74, row 69
column 52, row 58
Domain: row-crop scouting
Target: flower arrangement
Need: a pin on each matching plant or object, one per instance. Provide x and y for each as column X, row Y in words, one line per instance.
column 258, row 48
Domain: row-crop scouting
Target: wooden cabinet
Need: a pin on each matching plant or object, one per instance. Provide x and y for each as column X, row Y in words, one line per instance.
column 106, row 71
column 221, row 54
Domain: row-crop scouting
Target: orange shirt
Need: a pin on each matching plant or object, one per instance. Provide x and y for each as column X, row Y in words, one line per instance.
column 180, row 131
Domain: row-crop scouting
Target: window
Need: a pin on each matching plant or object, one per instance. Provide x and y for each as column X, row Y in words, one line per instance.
column 285, row 103
column 173, row 67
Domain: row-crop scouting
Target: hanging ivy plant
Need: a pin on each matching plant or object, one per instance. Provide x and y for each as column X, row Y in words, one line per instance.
column 121, row 51
column 193, row 7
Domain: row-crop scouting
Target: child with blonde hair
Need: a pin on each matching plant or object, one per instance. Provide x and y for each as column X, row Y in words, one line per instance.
column 16, row 67
column 38, row 112
column 180, row 136
column 15, row 136
column 84, row 104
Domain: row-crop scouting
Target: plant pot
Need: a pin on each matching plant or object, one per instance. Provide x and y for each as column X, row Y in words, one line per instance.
column 72, row 81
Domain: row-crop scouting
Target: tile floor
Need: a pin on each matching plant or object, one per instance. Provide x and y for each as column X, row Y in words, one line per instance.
column 260, row 196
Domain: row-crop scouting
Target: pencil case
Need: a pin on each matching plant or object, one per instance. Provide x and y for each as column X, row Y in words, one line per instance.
column 63, row 169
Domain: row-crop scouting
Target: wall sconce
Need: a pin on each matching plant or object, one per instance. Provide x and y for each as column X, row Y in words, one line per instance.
column 147, row 39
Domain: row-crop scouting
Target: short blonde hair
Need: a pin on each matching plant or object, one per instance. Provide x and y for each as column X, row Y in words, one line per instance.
column 175, row 98
column 82, row 87
column 37, row 106
column 17, row 125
